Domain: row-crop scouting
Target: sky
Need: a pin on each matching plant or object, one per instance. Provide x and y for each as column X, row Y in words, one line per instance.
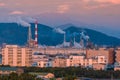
column 103, row 14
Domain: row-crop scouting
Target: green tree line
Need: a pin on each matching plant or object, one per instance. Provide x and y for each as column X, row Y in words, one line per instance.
column 77, row 72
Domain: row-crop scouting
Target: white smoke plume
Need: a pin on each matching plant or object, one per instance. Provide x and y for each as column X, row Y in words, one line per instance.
column 30, row 19
column 59, row 30
column 19, row 21
column 23, row 23
column 86, row 37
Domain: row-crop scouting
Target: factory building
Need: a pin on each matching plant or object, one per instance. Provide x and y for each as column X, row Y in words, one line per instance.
column 53, row 51
column 14, row 55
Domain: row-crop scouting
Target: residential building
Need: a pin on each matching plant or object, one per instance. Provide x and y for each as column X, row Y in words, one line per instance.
column 37, row 58
column 108, row 53
column 44, row 63
column 59, row 61
column 117, row 55
column 99, row 66
column 75, row 60
column 81, row 60
column 15, row 55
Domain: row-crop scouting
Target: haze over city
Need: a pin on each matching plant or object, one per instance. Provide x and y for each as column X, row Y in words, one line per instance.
column 104, row 14
column 59, row 40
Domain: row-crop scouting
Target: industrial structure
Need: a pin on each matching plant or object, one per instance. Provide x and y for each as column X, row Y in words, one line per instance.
column 36, row 34
column 33, row 43
column 62, row 55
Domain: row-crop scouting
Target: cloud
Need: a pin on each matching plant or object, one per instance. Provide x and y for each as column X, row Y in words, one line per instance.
column 109, row 1
column 17, row 13
column 63, row 8
column 2, row 4
column 103, row 1
column 93, row 4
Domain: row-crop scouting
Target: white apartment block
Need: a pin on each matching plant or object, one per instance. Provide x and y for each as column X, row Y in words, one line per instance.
column 14, row 55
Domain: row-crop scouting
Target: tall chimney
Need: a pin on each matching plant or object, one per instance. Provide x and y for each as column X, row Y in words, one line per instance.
column 64, row 40
column 29, row 35
column 36, row 34
column 74, row 40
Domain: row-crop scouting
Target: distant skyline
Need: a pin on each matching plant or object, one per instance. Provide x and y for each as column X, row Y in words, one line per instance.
column 103, row 13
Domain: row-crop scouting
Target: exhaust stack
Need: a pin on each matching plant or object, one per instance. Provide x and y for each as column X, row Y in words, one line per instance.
column 36, row 34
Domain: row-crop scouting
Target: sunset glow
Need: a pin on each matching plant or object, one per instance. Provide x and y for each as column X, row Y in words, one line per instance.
column 98, row 12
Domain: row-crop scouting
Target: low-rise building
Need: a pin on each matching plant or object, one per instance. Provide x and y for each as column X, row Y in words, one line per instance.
column 44, row 63
column 39, row 58
column 99, row 66
column 117, row 68
column 75, row 60
column 59, row 61
column 81, row 60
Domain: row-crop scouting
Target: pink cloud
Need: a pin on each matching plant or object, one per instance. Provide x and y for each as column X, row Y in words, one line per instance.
column 63, row 8
column 108, row 1
column 93, row 4
column 2, row 4
column 17, row 12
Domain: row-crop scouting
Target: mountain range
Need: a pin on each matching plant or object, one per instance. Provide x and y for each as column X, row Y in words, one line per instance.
column 12, row 33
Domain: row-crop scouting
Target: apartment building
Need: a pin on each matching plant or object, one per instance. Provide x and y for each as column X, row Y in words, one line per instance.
column 81, row 60
column 97, row 62
column 15, row 55
column 59, row 61
column 117, row 55
column 108, row 53
column 75, row 60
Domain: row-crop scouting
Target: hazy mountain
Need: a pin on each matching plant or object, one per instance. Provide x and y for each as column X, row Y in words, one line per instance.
column 12, row 33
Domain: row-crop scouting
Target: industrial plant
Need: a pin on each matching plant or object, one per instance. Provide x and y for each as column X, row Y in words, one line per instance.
column 67, row 54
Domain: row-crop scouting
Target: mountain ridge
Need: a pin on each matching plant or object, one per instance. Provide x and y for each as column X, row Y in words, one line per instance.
column 12, row 33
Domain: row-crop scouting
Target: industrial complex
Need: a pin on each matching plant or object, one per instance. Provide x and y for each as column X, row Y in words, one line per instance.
column 63, row 55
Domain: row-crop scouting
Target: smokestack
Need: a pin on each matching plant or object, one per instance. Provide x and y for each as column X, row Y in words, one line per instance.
column 29, row 33
column 64, row 39
column 82, row 43
column 74, row 40
column 36, row 34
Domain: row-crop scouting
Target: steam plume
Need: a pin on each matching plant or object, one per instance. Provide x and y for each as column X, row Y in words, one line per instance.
column 18, row 20
column 59, row 31
column 86, row 37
